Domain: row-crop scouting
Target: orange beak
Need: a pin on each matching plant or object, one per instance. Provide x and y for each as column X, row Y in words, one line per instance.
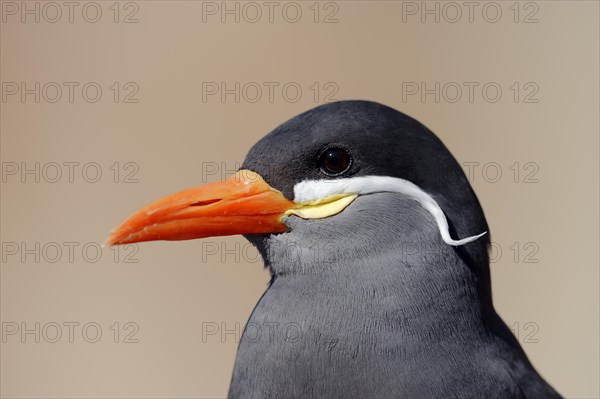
column 242, row 204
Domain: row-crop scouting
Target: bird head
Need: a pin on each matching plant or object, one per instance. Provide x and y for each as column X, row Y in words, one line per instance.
column 341, row 172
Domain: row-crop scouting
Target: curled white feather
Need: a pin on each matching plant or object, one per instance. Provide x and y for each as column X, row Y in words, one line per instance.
column 312, row 190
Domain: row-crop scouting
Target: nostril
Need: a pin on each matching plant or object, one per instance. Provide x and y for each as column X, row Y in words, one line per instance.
column 203, row 203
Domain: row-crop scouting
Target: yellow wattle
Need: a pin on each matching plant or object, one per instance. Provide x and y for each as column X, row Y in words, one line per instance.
column 323, row 207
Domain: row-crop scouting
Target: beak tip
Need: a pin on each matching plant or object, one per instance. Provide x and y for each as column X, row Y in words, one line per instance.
column 112, row 240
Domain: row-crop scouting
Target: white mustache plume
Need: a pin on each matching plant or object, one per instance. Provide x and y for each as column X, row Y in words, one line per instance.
column 312, row 190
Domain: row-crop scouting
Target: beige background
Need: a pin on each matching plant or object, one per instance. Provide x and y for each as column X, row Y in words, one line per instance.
column 172, row 135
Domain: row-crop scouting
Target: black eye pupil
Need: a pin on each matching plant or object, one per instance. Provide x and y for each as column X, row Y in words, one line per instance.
column 334, row 161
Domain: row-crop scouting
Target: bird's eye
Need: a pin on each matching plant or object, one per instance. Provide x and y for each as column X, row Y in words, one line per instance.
column 334, row 161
